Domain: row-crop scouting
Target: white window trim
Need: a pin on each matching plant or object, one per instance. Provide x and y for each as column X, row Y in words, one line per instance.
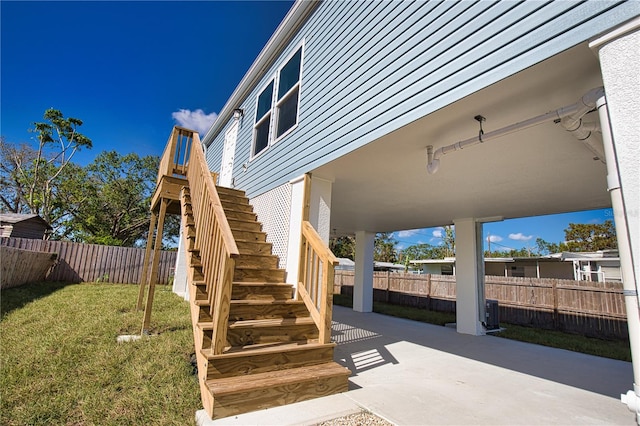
column 275, row 103
column 255, row 117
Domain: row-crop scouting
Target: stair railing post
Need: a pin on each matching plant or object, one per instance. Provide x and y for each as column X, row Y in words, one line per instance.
column 326, row 304
column 154, row 267
column 145, row 263
column 306, row 206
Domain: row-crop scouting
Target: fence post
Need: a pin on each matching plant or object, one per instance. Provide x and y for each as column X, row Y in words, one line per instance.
column 556, row 319
column 386, row 297
column 429, row 292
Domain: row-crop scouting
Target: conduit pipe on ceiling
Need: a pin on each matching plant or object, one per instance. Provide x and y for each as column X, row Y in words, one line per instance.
column 570, row 117
column 629, row 283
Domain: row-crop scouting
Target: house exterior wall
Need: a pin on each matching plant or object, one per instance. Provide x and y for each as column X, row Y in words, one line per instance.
column 561, row 270
column 494, row 268
column 372, row 67
column 31, row 228
column 431, row 268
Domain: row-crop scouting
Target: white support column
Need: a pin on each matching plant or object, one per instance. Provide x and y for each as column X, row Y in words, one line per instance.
column 469, row 277
column 363, row 279
column 320, row 207
column 619, row 55
column 295, row 225
column 180, row 271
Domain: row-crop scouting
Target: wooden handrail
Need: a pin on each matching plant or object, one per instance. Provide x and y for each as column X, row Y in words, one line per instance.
column 315, row 279
column 214, row 241
column 176, row 155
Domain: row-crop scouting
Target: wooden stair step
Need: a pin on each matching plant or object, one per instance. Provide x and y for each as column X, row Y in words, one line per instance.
column 256, row 261
column 244, row 225
column 266, row 309
column 255, row 236
column 241, row 333
column 240, row 215
column 243, row 206
column 261, row 291
column 202, row 302
column 244, row 274
column 271, row 357
column 254, row 247
column 230, row 198
column 270, row 323
column 201, row 291
column 234, row 395
column 230, row 191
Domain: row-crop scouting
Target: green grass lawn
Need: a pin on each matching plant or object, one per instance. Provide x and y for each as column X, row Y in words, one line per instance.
column 615, row 349
column 61, row 363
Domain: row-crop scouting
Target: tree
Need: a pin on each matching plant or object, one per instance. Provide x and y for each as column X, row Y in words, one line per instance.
column 591, row 237
column 422, row 251
column 12, row 187
column 385, row 248
column 545, row 247
column 108, row 201
column 523, row 252
column 344, row 246
column 34, row 174
column 582, row 237
column 449, row 241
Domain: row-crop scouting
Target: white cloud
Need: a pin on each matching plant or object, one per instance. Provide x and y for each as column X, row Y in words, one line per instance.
column 520, row 237
column 408, row 233
column 438, row 232
column 494, row 238
column 195, row 120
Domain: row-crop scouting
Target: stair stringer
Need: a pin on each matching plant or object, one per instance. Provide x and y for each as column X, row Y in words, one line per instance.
column 198, row 335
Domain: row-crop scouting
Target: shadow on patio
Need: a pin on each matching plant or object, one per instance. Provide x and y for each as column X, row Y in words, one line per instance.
column 416, row 373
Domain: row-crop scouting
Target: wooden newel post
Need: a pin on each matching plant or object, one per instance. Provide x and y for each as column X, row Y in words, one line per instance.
column 154, row 268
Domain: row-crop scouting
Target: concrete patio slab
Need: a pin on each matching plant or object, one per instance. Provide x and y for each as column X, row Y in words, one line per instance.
column 411, row 373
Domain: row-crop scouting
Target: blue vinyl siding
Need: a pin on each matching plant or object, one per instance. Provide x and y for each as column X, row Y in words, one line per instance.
column 370, row 68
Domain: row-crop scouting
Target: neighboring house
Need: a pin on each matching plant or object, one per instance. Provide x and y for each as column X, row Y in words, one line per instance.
column 23, row 226
column 346, row 264
column 410, row 115
column 598, row 266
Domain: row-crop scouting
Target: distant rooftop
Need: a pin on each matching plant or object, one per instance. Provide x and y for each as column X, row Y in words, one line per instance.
column 13, row 218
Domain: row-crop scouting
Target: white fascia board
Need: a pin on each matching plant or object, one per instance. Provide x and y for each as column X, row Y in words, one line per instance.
column 287, row 29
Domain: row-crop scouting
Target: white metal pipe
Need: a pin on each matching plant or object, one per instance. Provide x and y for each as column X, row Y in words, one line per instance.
column 630, row 286
column 576, row 111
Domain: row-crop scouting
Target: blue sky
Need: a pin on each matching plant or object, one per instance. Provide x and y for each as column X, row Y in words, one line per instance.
column 131, row 70
column 513, row 233
column 127, row 68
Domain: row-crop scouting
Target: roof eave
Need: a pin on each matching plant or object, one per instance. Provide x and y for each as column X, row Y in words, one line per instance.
column 287, row 29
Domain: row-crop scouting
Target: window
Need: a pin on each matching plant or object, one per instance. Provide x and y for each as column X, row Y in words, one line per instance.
column 446, row 269
column 288, row 91
column 517, row 271
column 263, row 119
column 277, row 115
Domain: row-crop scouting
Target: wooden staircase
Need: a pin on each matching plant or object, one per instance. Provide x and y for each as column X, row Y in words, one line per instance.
column 272, row 352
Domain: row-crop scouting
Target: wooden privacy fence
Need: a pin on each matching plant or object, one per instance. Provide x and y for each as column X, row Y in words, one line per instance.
column 18, row 266
column 585, row 307
column 79, row 262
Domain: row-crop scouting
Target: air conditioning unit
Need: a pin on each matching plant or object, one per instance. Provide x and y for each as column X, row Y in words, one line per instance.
column 493, row 315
